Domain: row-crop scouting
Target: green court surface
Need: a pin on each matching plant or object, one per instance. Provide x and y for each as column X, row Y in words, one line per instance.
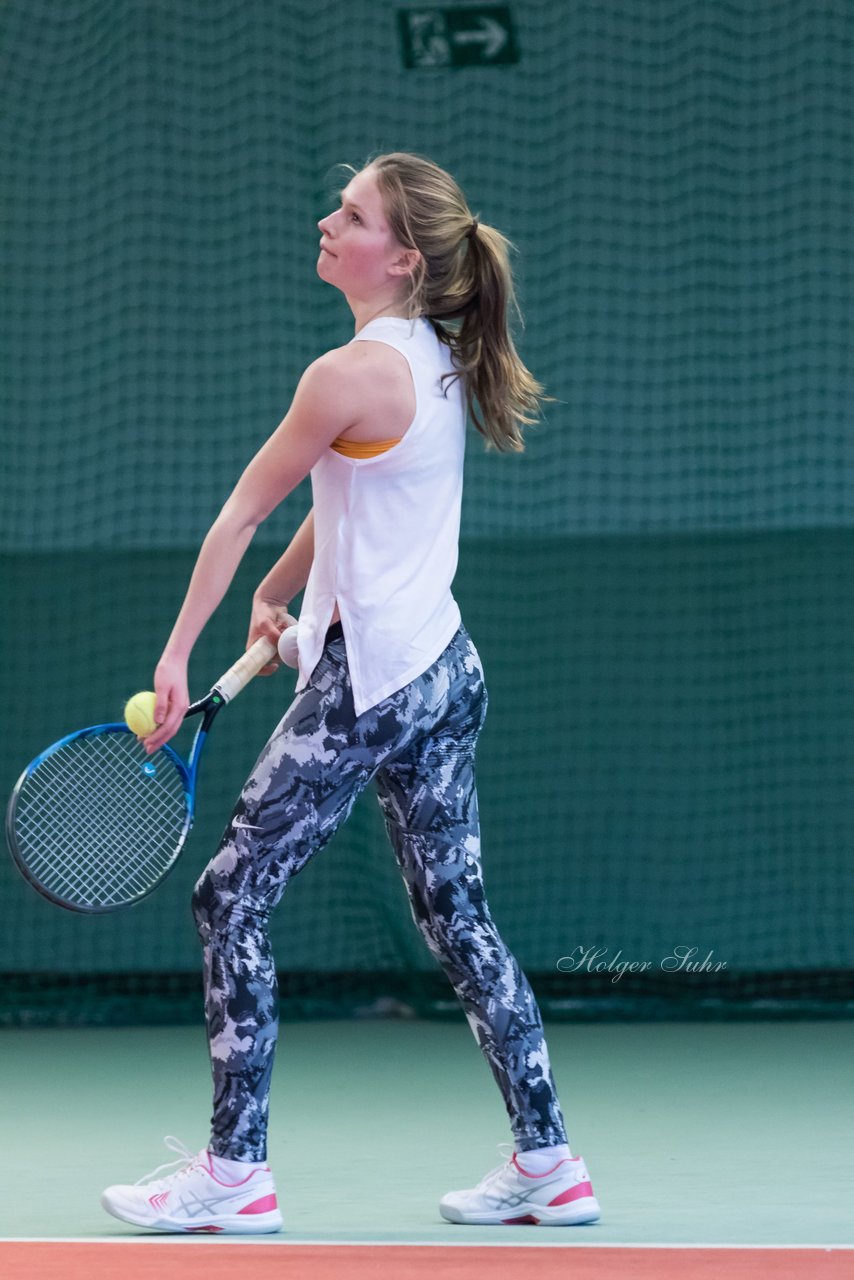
column 719, row 1134
column 660, row 587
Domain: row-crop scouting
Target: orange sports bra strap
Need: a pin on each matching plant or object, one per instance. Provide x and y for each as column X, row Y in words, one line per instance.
column 363, row 448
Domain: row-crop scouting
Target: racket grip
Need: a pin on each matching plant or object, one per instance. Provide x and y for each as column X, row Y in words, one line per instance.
column 245, row 668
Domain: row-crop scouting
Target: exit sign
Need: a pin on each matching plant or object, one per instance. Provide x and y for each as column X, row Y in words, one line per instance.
column 470, row 37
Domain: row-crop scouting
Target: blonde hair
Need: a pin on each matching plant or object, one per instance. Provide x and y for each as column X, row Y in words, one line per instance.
column 463, row 284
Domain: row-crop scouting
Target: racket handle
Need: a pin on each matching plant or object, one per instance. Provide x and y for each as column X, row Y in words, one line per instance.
column 245, row 668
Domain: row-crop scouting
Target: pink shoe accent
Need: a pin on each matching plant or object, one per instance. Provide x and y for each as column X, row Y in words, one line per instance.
column 577, row 1192
column 264, row 1205
column 518, row 1222
column 158, row 1201
column 190, row 1230
column 547, row 1173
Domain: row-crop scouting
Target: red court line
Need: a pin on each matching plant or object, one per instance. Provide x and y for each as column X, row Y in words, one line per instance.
column 46, row 1260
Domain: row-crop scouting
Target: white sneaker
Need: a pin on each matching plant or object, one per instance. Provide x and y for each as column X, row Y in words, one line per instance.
column 194, row 1199
column 560, row 1197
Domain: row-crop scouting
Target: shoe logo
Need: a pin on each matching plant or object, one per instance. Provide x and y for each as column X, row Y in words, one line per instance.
column 515, row 1198
column 194, row 1205
column 158, row 1202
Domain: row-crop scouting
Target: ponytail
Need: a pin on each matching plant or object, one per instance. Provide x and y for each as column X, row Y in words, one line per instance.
column 463, row 284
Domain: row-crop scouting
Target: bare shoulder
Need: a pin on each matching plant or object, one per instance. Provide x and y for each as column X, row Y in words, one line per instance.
column 343, row 370
column 333, row 366
column 360, row 359
column 377, row 383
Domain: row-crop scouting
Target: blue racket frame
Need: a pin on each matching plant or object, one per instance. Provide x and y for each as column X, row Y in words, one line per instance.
column 188, row 771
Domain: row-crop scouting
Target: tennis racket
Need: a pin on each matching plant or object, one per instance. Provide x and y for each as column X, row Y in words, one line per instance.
column 94, row 823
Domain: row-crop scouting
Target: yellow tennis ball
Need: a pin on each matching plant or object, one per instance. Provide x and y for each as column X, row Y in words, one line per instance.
column 139, row 713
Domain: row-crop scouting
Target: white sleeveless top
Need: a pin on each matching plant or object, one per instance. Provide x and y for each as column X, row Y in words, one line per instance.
column 386, row 532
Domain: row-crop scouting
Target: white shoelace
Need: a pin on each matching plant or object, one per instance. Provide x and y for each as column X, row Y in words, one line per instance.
column 187, row 1159
column 499, row 1168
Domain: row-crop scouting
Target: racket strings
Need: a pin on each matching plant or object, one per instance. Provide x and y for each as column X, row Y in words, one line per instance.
column 61, row 857
column 98, row 821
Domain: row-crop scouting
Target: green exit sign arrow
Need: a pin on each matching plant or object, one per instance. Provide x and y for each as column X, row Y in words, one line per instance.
column 470, row 37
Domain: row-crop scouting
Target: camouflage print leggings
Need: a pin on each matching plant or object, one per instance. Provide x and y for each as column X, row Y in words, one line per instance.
column 418, row 745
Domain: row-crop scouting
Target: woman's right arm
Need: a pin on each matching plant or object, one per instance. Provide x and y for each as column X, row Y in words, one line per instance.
column 275, row 592
column 290, row 574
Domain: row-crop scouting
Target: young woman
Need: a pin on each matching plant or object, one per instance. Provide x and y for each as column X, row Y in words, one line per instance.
column 390, row 687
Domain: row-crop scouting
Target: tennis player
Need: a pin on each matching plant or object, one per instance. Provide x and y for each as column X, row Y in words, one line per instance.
column 390, row 687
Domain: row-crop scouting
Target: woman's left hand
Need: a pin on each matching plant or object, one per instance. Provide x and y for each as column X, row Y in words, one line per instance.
column 268, row 619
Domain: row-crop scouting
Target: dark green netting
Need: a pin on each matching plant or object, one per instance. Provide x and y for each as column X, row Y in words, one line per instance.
column 661, row 587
